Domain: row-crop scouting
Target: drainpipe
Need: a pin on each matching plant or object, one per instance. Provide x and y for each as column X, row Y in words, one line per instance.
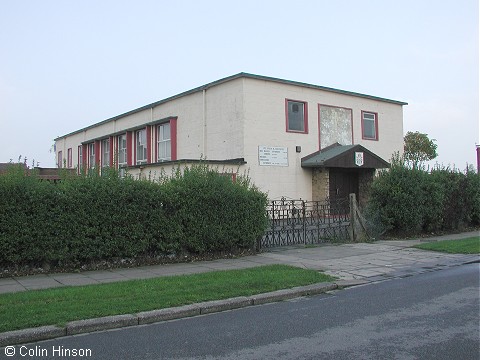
column 204, row 128
column 478, row 158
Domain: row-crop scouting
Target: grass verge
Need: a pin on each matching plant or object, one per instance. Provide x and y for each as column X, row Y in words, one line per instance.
column 464, row 246
column 58, row 306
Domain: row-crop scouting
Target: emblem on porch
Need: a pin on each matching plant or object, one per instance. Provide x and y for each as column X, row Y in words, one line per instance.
column 359, row 158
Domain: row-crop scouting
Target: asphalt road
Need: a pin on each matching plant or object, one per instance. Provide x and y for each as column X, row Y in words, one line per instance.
column 428, row 316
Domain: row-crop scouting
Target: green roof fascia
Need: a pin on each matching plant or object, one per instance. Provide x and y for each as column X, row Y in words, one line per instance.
column 318, row 87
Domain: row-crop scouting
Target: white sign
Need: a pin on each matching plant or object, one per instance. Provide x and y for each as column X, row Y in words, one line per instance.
column 272, row 156
column 359, row 158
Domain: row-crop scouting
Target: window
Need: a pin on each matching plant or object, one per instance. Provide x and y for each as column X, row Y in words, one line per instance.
column 231, row 176
column 122, row 150
column 80, row 158
column 141, row 141
column 296, row 116
column 69, row 158
column 60, row 160
column 105, row 152
column 369, row 126
column 91, row 155
column 164, row 143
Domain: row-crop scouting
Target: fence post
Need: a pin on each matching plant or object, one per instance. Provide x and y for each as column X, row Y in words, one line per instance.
column 351, row 230
column 304, row 219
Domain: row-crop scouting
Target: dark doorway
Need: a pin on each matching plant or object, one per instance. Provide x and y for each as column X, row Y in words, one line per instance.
column 342, row 182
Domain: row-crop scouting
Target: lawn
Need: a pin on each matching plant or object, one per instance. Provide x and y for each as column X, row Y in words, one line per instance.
column 464, row 246
column 58, row 306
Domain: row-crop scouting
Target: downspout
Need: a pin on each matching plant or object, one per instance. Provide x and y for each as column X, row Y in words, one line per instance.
column 153, row 145
column 478, row 158
column 204, row 127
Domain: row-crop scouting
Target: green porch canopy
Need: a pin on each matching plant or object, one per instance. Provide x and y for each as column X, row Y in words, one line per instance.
column 344, row 156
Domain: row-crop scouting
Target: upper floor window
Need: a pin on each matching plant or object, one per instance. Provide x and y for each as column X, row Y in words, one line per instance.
column 164, row 142
column 297, row 119
column 141, row 141
column 369, row 125
column 106, row 152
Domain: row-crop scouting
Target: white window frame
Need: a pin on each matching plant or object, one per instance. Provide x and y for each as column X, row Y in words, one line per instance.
column 141, row 146
column 122, row 151
column 105, row 153
column 91, row 155
column 164, row 143
column 80, row 158
column 69, row 158
column 369, row 117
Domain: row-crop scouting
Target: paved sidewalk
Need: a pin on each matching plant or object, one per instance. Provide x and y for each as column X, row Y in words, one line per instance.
column 351, row 263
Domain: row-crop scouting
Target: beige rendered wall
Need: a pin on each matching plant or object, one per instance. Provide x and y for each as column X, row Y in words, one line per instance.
column 265, row 124
column 157, row 171
column 232, row 119
column 209, row 124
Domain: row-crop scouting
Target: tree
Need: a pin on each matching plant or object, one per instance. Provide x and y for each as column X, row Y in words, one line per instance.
column 419, row 148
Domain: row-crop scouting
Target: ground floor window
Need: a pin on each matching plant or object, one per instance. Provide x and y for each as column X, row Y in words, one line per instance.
column 122, row 150
column 106, row 153
column 141, row 142
column 69, row 158
column 80, row 158
column 91, row 155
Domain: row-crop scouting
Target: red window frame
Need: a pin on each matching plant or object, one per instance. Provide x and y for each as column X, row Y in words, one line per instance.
column 305, row 116
column 173, row 139
column 375, row 124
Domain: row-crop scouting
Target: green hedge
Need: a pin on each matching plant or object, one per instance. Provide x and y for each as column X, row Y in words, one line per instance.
column 90, row 218
column 414, row 200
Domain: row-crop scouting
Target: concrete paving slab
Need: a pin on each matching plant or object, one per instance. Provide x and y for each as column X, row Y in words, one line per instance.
column 99, row 276
column 220, row 266
column 43, row 281
column 5, row 289
column 78, row 281
column 8, row 281
column 198, row 270
column 43, row 286
column 58, row 276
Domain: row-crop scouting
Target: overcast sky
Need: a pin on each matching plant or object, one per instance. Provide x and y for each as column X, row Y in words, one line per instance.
column 67, row 64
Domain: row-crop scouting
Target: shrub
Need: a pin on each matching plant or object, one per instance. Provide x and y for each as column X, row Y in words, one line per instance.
column 396, row 195
column 410, row 200
column 216, row 213
column 85, row 218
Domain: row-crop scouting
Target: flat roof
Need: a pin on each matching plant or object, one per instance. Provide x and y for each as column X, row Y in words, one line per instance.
column 230, row 78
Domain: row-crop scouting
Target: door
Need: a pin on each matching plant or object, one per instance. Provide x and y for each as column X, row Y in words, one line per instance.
column 342, row 182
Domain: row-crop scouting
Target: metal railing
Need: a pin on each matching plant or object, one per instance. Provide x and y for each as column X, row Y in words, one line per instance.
column 294, row 222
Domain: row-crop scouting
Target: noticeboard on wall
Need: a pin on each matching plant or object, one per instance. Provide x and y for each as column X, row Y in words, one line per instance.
column 272, row 156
